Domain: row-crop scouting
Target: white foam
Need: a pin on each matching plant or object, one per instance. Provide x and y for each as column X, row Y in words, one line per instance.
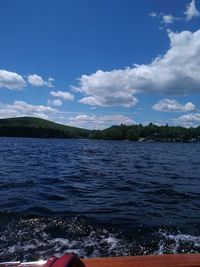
column 184, row 238
column 178, row 241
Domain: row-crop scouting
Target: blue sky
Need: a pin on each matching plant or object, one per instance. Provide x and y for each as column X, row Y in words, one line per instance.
column 92, row 63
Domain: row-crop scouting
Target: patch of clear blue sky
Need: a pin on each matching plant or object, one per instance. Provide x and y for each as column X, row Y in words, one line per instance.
column 67, row 38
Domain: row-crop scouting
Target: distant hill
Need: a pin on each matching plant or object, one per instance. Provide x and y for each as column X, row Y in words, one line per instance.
column 36, row 127
column 40, row 128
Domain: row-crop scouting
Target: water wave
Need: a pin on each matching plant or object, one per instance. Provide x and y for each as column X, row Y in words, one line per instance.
column 97, row 198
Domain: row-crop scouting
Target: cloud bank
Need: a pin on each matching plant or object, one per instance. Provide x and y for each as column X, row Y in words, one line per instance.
column 171, row 105
column 188, row 120
column 99, row 122
column 20, row 108
column 177, row 72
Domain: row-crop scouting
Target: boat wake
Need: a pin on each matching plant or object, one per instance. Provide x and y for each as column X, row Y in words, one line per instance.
column 32, row 238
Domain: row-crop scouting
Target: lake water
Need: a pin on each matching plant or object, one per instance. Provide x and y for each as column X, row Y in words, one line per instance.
column 97, row 198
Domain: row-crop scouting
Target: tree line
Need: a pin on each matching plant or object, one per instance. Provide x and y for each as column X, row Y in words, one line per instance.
column 40, row 128
column 150, row 132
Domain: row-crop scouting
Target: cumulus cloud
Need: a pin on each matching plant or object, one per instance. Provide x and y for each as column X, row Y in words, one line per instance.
column 189, row 120
column 98, row 122
column 62, row 94
column 107, row 89
column 55, row 102
column 171, row 105
column 116, row 99
column 14, row 81
column 191, row 11
column 36, row 80
column 177, row 72
column 11, row 80
column 20, row 108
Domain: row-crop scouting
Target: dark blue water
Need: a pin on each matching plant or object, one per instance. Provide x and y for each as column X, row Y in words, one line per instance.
column 98, row 198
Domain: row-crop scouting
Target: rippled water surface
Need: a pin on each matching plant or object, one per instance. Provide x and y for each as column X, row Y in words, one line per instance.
column 98, row 198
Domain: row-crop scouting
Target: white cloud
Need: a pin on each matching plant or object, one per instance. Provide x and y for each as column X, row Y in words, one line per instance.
column 191, row 11
column 55, row 102
column 116, row 99
column 189, row 120
column 11, row 80
column 168, row 19
column 98, row 122
column 14, row 81
column 153, row 14
column 107, row 89
column 90, row 101
column 20, row 108
column 36, row 80
column 62, row 94
column 171, row 105
column 177, row 72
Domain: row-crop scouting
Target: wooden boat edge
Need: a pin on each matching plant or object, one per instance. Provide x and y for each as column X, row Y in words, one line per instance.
column 166, row 260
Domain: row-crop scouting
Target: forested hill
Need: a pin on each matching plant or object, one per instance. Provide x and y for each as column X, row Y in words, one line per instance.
column 36, row 127
column 150, row 132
